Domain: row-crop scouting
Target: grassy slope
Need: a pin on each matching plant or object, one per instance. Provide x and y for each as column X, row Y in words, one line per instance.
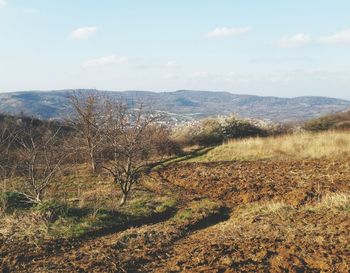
column 264, row 234
column 80, row 204
column 299, row 146
column 269, row 235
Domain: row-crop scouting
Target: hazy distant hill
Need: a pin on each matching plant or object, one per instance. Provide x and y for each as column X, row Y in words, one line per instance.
column 182, row 104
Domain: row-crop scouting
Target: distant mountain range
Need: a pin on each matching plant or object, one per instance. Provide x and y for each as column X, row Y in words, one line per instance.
column 181, row 105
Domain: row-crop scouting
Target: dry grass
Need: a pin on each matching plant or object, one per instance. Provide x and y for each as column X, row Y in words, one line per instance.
column 89, row 204
column 331, row 201
column 330, row 144
column 340, row 201
column 31, row 227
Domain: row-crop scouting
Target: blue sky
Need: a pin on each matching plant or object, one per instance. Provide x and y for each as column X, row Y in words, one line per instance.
column 280, row 48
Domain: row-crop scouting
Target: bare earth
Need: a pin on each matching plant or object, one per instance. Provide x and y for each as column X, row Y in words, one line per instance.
column 267, row 220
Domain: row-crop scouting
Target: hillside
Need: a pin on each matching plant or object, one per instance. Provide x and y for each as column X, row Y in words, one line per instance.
column 277, row 212
column 182, row 104
column 329, row 144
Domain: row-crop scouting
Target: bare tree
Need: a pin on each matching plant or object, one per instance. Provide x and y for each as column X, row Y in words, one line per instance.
column 128, row 134
column 87, row 122
column 8, row 132
column 115, row 113
column 39, row 160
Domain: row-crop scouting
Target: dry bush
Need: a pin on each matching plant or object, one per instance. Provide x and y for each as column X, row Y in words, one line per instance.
column 165, row 145
column 184, row 135
column 210, row 132
column 39, row 158
column 8, row 133
column 237, row 128
column 213, row 131
column 343, row 125
column 31, row 152
column 329, row 122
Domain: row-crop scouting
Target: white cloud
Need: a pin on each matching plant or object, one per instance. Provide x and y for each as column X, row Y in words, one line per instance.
column 141, row 66
column 169, row 76
column 226, row 32
column 3, row 3
column 200, row 74
column 83, row 32
column 342, row 37
column 106, row 60
column 171, row 64
column 235, row 77
column 296, row 40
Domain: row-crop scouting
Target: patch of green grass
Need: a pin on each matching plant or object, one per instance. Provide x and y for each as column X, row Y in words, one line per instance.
column 168, row 204
column 141, row 207
column 57, row 220
column 76, row 222
column 197, row 210
column 184, row 215
column 346, row 208
column 11, row 201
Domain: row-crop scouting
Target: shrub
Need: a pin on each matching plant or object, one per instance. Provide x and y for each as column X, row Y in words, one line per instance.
column 52, row 210
column 10, row 201
column 235, row 128
column 278, row 129
column 185, row 135
column 213, row 131
column 320, row 124
column 163, row 142
column 210, row 132
column 343, row 125
column 329, row 122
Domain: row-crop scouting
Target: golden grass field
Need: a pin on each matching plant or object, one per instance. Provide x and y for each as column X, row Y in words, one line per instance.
column 330, row 144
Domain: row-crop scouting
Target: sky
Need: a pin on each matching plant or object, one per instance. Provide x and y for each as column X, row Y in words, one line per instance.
column 282, row 48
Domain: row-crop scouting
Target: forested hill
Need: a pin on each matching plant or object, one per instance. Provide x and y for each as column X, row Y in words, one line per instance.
column 181, row 105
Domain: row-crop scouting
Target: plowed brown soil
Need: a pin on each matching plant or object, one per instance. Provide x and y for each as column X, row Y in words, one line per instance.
column 294, row 236
column 294, row 182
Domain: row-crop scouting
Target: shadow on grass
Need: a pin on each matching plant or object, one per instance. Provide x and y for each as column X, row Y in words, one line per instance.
column 108, row 222
column 221, row 216
column 187, row 156
column 114, row 222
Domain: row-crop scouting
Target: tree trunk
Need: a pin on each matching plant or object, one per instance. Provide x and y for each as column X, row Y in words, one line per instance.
column 38, row 197
column 123, row 200
column 93, row 162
